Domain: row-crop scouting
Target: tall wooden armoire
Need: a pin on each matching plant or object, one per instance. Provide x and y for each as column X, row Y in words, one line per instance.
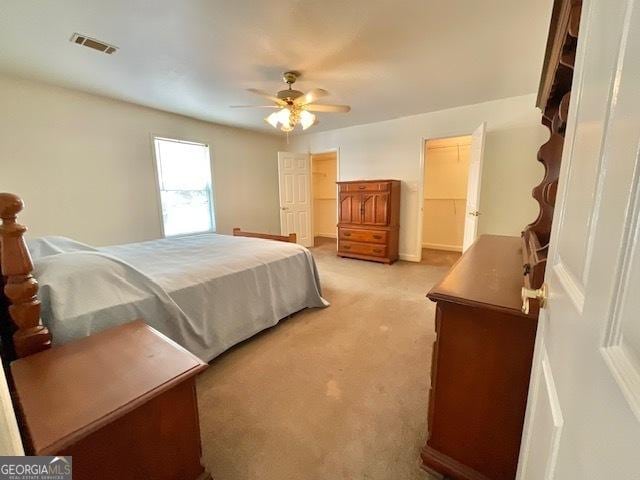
column 369, row 220
column 485, row 327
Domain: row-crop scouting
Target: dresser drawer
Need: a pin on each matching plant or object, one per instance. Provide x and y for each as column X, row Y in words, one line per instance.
column 365, row 187
column 366, row 236
column 362, row 249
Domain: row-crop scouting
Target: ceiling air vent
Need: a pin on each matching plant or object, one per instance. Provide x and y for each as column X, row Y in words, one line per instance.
column 93, row 43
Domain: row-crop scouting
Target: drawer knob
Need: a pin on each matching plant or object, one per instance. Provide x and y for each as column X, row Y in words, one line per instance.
column 362, row 187
column 377, row 237
column 346, row 247
column 347, row 234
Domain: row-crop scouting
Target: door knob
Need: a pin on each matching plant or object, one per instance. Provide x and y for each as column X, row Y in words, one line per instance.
column 539, row 294
column 475, row 213
column 284, row 208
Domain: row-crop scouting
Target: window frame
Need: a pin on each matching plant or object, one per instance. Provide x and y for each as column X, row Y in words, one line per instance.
column 156, row 170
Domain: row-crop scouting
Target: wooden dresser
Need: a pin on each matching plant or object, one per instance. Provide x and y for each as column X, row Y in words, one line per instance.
column 480, row 365
column 484, row 342
column 121, row 402
column 369, row 220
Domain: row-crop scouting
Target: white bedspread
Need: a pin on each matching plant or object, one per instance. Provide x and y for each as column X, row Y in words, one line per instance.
column 207, row 292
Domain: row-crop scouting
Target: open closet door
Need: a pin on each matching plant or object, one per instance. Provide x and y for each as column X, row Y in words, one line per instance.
column 473, row 186
column 294, row 175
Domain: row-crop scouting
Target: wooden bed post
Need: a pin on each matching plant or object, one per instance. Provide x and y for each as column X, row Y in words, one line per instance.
column 20, row 287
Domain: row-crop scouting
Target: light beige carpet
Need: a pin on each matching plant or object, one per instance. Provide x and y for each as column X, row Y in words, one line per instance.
column 334, row 393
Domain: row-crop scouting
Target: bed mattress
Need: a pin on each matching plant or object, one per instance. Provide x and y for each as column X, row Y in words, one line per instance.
column 207, row 292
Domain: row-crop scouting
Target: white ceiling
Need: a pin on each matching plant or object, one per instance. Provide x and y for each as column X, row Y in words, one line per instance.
column 385, row 58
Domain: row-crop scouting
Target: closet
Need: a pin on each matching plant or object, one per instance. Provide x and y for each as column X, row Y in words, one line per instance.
column 446, row 171
column 324, row 173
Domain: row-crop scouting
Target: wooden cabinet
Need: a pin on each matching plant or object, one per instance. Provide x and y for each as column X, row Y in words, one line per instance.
column 350, row 208
column 375, row 209
column 369, row 220
column 121, row 402
column 481, row 364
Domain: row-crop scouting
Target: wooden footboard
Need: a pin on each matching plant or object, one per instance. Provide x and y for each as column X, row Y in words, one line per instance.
column 291, row 238
column 20, row 288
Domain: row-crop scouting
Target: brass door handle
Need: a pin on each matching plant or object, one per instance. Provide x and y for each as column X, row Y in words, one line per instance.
column 284, row 208
column 539, row 294
column 475, row 213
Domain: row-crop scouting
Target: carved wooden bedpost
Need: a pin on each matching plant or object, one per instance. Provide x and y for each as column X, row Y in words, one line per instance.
column 20, row 287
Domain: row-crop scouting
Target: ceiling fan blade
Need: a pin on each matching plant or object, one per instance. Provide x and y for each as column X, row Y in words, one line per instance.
column 317, row 107
column 311, row 96
column 264, row 94
column 255, row 106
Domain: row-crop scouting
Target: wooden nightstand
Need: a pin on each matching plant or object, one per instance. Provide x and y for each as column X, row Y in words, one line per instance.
column 121, row 402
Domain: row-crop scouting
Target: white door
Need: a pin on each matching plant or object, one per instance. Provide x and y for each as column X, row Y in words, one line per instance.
column 583, row 415
column 476, row 155
column 10, row 443
column 295, row 196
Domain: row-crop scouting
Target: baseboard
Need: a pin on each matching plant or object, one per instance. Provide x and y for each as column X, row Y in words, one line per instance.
column 409, row 257
column 442, row 246
column 326, row 235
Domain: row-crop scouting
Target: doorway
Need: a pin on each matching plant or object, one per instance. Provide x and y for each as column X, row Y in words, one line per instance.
column 446, row 173
column 324, row 172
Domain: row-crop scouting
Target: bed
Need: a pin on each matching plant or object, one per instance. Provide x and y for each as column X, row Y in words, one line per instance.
column 207, row 292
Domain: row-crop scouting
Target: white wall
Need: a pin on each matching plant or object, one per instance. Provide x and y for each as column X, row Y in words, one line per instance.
column 391, row 149
column 83, row 165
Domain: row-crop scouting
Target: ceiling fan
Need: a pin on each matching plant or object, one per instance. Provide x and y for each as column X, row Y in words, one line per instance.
column 294, row 106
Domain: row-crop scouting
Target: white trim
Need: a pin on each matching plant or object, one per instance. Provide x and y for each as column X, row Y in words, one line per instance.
column 541, row 372
column 570, row 284
column 626, row 374
column 566, row 164
column 623, row 363
column 409, row 257
column 443, row 246
column 556, row 412
column 156, row 166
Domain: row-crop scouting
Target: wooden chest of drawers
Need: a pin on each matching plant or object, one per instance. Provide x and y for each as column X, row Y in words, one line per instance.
column 481, row 365
column 369, row 220
column 121, row 402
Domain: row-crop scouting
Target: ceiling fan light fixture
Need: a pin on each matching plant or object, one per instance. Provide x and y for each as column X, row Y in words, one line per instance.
column 307, row 119
column 284, row 116
column 272, row 119
column 295, row 107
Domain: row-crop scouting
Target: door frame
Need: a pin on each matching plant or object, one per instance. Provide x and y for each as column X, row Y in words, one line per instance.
column 335, row 150
column 423, row 164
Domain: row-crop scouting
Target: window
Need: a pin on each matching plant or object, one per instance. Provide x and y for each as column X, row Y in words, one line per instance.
column 184, row 179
